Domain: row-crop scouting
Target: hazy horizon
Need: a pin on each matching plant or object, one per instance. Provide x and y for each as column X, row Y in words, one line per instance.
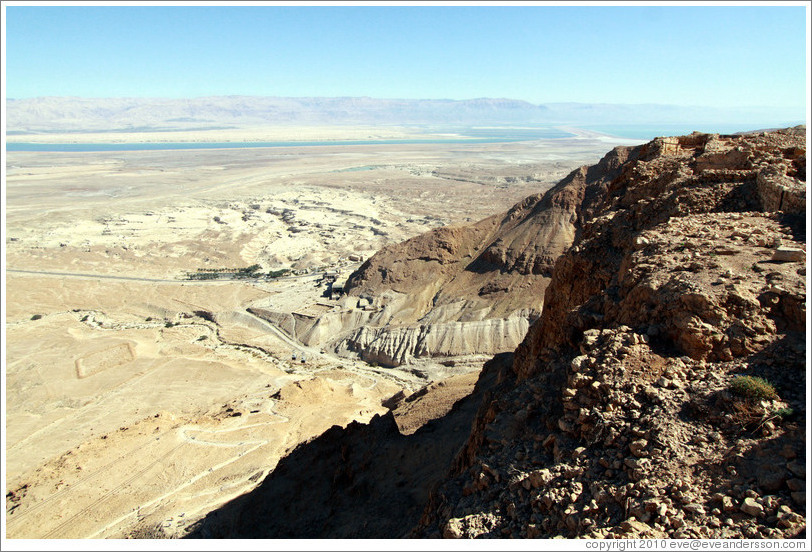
column 389, row 98
column 76, row 114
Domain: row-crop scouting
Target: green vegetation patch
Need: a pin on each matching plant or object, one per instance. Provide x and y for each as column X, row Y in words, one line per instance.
column 235, row 273
column 784, row 413
column 754, row 388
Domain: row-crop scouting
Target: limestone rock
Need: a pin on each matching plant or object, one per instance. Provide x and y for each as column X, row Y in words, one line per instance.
column 539, row 478
column 797, row 468
column 789, row 255
column 751, row 507
column 638, row 448
column 695, row 509
column 771, row 479
column 453, row 529
column 396, row 345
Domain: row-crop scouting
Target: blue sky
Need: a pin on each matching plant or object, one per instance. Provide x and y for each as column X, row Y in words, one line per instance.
column 730, row 55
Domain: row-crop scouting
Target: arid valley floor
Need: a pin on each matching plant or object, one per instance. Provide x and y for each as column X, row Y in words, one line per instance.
column 137, row 399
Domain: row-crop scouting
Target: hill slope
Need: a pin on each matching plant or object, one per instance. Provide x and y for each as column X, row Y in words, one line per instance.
column 468, row 289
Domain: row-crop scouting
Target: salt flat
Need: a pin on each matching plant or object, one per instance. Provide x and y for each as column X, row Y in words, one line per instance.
column 137, row 399
column 256, row 133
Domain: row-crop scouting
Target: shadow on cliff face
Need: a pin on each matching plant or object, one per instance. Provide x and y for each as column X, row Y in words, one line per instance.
column 362, row 481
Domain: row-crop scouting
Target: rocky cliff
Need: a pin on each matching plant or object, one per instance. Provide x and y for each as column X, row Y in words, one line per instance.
column 468, row 289
column 662, row 391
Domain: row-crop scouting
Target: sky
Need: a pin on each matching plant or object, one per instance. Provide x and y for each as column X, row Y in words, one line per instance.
column 728, row 55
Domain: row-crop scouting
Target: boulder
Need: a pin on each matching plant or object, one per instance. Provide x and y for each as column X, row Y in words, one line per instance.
column 789, row 255
column 752, row 508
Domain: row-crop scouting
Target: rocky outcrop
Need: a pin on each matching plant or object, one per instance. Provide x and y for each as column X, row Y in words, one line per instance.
column 424, row 275
column 394, row 346
column 493, row 262
column 678, row 200
column 465, row 290
column 662, row 391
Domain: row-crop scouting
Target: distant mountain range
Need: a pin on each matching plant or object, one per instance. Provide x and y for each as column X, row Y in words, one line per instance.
column 71, row 114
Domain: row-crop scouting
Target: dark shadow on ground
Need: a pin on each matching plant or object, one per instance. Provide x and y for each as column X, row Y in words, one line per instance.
column 362, row 481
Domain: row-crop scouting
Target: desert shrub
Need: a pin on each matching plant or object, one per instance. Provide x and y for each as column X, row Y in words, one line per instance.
column 784, row 413
column 755, row 388
column 205, row 315
column 152, row 531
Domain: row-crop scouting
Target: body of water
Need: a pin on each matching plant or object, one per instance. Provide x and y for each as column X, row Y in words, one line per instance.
column 472, row 136
column 468, row 135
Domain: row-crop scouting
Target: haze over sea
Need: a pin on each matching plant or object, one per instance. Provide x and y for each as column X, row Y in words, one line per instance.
column 490, row 136
column 634, row 132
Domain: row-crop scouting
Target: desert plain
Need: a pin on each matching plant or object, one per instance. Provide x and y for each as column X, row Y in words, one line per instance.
column 136, row 399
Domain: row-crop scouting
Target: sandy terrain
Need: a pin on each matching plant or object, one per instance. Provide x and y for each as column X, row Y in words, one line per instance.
column 198, row 399
column 135, row 398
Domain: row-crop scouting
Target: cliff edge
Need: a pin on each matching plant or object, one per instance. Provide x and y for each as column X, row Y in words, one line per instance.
column 662, row 391
column 464, row 290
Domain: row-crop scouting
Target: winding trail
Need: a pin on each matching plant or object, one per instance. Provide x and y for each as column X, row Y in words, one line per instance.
column 17, row 519
column 188, row 440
